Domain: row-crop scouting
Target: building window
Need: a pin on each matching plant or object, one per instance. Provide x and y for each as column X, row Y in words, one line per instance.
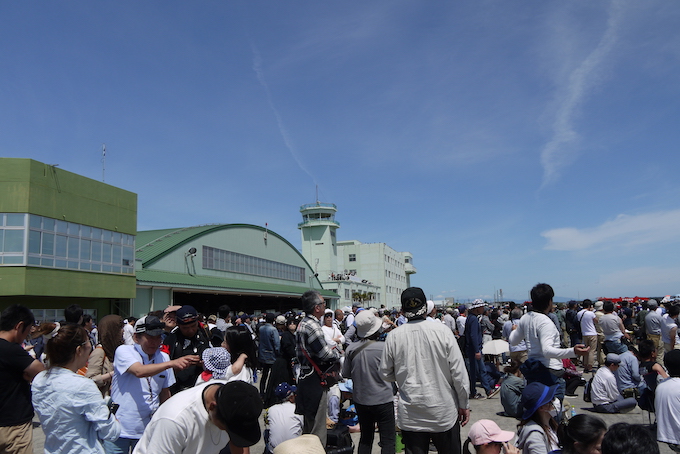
column 31, row 240
column 377, row 297
column 346, row 293
column 352, row 257
column 221, row 260
column 407, row 260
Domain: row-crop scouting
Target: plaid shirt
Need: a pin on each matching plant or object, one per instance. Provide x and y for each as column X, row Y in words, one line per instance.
column 310, row 336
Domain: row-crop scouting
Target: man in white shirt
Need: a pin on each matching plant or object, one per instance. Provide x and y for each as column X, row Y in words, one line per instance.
column 667, row 404
column 142, row 375
column 669, row 328
column 543, row 341
column 605, row 393
column 588, row 321
column 129, row 331
column 204, row 419
column 449, row 321
column 424, row 360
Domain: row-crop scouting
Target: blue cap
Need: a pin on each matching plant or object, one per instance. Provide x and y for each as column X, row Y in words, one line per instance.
column 284, row 390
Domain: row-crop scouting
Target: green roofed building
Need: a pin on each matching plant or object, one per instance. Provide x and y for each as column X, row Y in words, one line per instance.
column 247, row 267
column 64, row 239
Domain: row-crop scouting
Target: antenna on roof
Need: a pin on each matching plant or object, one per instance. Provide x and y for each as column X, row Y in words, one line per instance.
column 103, row 163
column 317, row 194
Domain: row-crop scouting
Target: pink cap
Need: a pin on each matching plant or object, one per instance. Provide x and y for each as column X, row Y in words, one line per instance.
column 486, row 431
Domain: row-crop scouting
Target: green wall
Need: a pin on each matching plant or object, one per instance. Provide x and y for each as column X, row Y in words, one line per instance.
column 28, row 186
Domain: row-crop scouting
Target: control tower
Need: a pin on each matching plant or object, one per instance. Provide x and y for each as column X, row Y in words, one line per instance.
column 318, row 228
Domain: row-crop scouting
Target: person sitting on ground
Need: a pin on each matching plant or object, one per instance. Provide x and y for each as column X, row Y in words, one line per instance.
column 537, row 431
column 511, row 390
column 280, row 420
column 581, row 434
column 667, row 403
column 604, row 392
column 628, row 378
column 488, row 438
column 650, row 371
column 622, row 438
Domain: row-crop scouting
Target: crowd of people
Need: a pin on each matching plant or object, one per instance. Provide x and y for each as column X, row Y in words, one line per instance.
column 176, row 381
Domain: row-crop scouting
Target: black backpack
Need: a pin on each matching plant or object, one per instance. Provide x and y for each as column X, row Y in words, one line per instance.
column 587, row 390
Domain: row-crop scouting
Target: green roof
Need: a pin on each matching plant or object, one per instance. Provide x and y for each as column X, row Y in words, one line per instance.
column 155, row 278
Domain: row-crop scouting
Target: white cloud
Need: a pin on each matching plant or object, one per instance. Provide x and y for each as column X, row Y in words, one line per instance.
column 560, row 150
column 624, row 230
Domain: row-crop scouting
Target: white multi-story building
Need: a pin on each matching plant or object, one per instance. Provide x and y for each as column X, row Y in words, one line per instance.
column 371, row 273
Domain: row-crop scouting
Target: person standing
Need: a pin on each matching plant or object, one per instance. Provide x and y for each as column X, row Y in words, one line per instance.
column 373, row 396
column 613, row 330
column 269, row 348
column 129, row 330
column 17, row 370
column 543, row 342
column 667, row 403
column 653, row 322
column 311, row 346
column 425, row 362
column 588, row 321
column 517, row 352
column 187, row 340
column 72, row 411
column 142, row 376
column 474, row 345
column 669, row 329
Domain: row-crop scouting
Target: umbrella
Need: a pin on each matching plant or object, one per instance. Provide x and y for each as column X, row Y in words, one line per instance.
column 496, row 347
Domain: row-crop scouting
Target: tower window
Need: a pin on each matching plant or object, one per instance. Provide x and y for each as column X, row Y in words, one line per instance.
column 352, row 257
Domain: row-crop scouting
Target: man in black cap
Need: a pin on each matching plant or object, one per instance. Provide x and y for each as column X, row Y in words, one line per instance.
column 204, row 419
column 426, row 363
column 188, row 340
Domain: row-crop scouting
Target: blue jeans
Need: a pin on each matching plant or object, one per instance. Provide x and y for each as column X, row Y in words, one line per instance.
column 478, row 371
column 120, row 446
column 369, row 415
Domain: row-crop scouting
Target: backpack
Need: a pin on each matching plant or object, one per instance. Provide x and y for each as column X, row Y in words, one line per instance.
column 587, row 390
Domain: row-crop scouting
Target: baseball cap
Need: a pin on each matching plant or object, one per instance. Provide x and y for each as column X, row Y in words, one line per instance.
column 284, row 390
column 280, row 320
column 186, row 314
column 413, row 302
column 149, row 324
column 613, row 358
column 304, row 444
column 239, row 406
column 486, row 431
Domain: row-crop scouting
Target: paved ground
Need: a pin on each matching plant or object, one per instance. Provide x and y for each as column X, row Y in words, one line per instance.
column 481, row 409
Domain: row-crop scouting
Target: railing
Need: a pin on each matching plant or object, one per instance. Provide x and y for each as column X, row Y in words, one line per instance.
column 317, row 205
column 318, row 222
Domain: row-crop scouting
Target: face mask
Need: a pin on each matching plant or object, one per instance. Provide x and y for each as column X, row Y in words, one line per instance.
column 553, row 412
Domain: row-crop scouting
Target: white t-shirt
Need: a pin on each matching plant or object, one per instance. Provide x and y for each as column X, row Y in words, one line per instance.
column 460, row 323
column 245, row 375
column 182, row 426
column 128, row 332
column 667, row 325
column 667, row 405
column 587, row 325
column 283, row 423
column 138, row 398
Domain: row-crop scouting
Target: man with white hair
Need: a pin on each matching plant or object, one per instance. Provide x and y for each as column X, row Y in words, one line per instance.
column 653, row 323
column 449, row 321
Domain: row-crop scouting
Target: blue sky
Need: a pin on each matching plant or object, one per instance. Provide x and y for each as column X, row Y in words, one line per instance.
column 502, row 143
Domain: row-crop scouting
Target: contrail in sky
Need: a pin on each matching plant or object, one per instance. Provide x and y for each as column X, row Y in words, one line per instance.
column 257, row 67
column 557, row 153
